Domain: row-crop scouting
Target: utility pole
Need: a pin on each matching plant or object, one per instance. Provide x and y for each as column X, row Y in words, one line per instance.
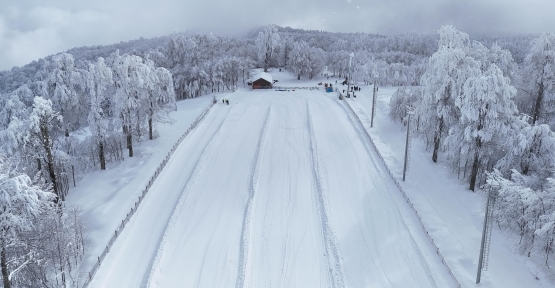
column 374, row 100
column 486, row 235
column 410, row 110
column 351, row 55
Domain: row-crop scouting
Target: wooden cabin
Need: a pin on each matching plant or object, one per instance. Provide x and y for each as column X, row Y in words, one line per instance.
column 261, row 80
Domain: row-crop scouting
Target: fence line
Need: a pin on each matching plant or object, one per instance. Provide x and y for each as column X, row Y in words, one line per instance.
column 297, row 88
column 118, row 231
column 405, row 196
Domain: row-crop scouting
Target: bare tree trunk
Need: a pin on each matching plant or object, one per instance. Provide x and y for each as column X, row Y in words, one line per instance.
column 130, row 143
column 46, row 143
column 73, row 174
column 437, row 139
column 52, row 173
column 4, row 265
column 129, row 138
column 101, row 155
column 150, row 113
column 474, row 172
column 537, row 107
column 150, row 128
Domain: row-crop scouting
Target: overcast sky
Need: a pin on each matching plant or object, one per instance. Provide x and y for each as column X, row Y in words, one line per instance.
column 31, row 29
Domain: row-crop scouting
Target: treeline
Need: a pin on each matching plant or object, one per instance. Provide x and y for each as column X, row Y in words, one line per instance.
column 492, row 120
column 67, row 121
column 199, row 62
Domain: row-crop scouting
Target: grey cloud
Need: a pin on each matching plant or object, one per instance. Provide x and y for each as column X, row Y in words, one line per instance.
column 32, row 29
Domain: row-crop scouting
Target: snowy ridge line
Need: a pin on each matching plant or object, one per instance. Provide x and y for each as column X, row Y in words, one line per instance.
column 246, row 229
column 178, row 208
column 118, row 231
column 330, row 241
column 404, row 195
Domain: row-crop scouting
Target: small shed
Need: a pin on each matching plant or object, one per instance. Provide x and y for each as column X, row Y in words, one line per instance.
column 261, row 80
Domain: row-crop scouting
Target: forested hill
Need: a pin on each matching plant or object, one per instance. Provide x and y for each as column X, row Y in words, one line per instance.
column 407, row 49
column 136, row 47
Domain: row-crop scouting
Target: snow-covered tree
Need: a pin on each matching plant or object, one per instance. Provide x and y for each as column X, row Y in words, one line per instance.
column 315, row 61
column 64, row 83
column 403, row 98
column 447, row 72
column 539, row 80
column 286, row 46
column 503, row 59
column 517, row 207
column 131, row 78
column 40, row 135
column 531, row 151
column 267, row 43
column 160, row 96
column 20, row 202
column 299, row 62
column 11, row 107
column 98, row 80
column 486, row 113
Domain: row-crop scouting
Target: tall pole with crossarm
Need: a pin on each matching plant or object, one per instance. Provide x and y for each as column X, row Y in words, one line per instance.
column 376, row 75
column 351, row 55
column 410, row 111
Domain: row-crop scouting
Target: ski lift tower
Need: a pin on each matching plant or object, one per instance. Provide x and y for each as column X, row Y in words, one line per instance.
column 351, row 55
column 486, row 234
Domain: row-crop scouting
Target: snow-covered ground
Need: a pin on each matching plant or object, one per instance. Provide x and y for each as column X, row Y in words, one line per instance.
column 278, row 189
column 452, row 214
column 105, row 197
column 282, row 189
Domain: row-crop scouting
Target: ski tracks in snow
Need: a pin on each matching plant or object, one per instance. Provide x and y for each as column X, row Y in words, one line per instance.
column 336, row 275
column 243, row 268
column 155, row 270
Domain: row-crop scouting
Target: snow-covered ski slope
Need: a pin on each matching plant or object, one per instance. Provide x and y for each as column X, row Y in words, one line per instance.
column 277, row 189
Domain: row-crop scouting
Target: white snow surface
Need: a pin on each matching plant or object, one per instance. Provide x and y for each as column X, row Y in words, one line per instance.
column 283, row 189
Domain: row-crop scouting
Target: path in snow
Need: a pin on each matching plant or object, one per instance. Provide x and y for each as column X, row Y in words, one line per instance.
column 279, row 189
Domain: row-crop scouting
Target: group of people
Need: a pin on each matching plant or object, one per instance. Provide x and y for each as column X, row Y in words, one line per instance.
column 225, row 101
column 349, row 94
column 325, row 84
column 353, row 89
